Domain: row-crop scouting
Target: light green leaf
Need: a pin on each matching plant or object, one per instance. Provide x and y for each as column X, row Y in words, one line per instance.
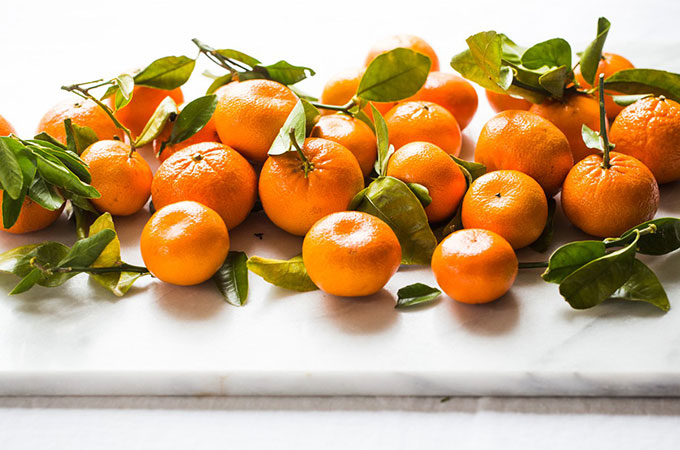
column 296, row 121
column 166, row 73
column 287, row 274
column 154, row 127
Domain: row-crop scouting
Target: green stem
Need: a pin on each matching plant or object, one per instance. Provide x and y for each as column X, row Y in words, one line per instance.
column 341, row 108
column 603, row 126
column 218, row 59
column 533, row 265
column 618, row 242
column 306, row 165
column 99, row 270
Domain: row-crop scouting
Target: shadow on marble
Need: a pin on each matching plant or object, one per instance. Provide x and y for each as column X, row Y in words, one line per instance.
column 197, row 303
column 490, row 319
column 362, row 315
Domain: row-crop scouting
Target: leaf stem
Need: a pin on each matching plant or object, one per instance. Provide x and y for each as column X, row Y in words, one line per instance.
column 94, row 270
column 218, row 59
column 306, row 165
column 341, row 108
column 603, row 126
column 533, row 265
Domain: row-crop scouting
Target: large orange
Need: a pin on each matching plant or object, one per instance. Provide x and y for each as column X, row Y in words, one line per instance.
column 144, row 102
column 474, row 265
column 206, row 134
column 352, row 133
column 423, row 121
column 351, row 254
column 429, row 165
column 6, row 128
column 649, row 130
column 184, row 243
column 403, row 41
column 84, row 113
column 212, row 174
column 609, row 65
column 523, row 141
column 509, row 203
column 454, row 93
column 32, row 217
column 341, row 87
column 504, row 102
column 294, row 199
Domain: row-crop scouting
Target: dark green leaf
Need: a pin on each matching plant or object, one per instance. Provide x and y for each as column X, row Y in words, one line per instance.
column 383, row 142
column 416, row 294
column 232, row 278
column 455, row 224
column 570, row 257
column 664, row 240
column 394, row 76
column 166, row 73
column 625, row 100
column 297, row 121
column 45, row 194
column 26, row 283
column 552, row 53
column 11, row 208
column 47, row 254
column 290, row 274
column 645, row 81
column 643, row 286
column 59, row 176
column 193, row 118
column 421, row 192
column 475, row 169
column 47, row 138
column 11, row 179
column 157, row 122
column 590, row 59
column 67, row 158
column 238, row 56
column 542, row 244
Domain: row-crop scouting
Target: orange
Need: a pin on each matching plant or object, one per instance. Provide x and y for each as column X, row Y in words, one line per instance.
column 340, row 89
column 503, row 102
column 351, row 254
column 403, row 41
column 144, row 102
column 6, row 128
column 509, row 203
column 609, row 65
column 452, row 92
column 649, row 130
column 352, row 133
column 423, row 121
column 32, row 217
column 209, row 173
column 84, row 113
column 250, row 114
column 184, row 243
column 474, row 266
column 429, row 165
column 520, row 140
column 569, row 115
column 293, row 199
column 606, row 202
column 206, row 134
column 123, row 178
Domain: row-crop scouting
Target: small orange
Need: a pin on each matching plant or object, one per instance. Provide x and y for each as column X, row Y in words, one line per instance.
column 454, row 93
column 351, row 254
column 509, row 203
column 206, row 134
column 184, row 243
column 352, row 133
column 609, row 65
column 6, row 128
column 474, row 266
column 84, row 113
column 122, row 177
column 212, row 174
column 569, row 115
column 340, row 89
column 294, row 199
column 503, row 102
column 429, row 165
column 523, row 141
column 423, row 121
column 250, row 114
column 144, row 102
column 403, row 41
column 32, row 217
column 649, row 130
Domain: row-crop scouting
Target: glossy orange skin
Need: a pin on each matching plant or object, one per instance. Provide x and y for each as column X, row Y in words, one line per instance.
column 509, row 203
column 404, row 41
column 32, row 217
column 423, row 121
column 608, row 66
column 122, row 178
column 649, row 130
column 209, row 173
column 523, row 141
column 351, row 254
column 144, row 102
column 429, row 165
column 569, row 116
column 84, row 113
column 452, row 92
column 206, row 134
column 353, row 134
column 6, row 128
column 250, row 114
column 341, row 87
column 474, row 265
column 293, row 201
column 504, row 102
column 184, row 243
column 607, row 202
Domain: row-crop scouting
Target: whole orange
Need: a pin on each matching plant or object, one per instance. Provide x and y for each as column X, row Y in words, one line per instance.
column 474, row 266
column 353, row 134
column 144, row 102
column 32, row 217
column 509, row 203
column 503, row 102
column 452, row 92
column 84, row 113
column 609, row 65
column 403, row 41
column 523, row 141
column 351, row 254
column 6, row 128
column 294, row 198
column 341, row 87
column 206, row 134
column 209, row 173
column 429, row 165
column 184, row 243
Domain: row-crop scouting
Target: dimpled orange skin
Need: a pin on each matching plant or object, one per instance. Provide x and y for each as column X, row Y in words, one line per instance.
column 84, row 113
column 122, row 178
column 209, row 173
column 184, row 243
column 474, row 265
column 144, row 102
column 423, row 121
column 523, row 141
column 6, row 128
column 429, row 165
column 452, row 92
column 341, row 87
column 569, row 116
column 353, row 134
column 32, row 217
column 206, row 134
column 295, row 202
column 509, row 203
column 607, row 202
column 250, row 114
column 351, row 254
column 504, row 102
column 649, row 130
column 608, row 66
column 403, row 41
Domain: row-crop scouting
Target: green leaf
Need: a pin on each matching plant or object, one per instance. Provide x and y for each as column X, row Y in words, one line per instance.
column 312, row 114
column 11, row 208
column 78, row 138
column 475, row 169
column 416, row 294
column 570, row 257
column 60, row 176
column 219, row 82
column 126, row 85
column 361, row 115
column 625, row 100
column 46, row 195
column 238, row 56
column 67, row 158
column 383, row 142
column 232, row 278
column 283, row 72
column 551, row 53
column 297, row 121
column 290, row 274
column 592, row 138
column 392, row 201
column 157, row 122
column 421, row 192
column 166, row 73
column 555, row 80
column 26, row 283
column 11, row 178
column 86, row 251
column 456, row 222
column 193, row 118
column 487, row 49
column 10, row 259
column 545, row 239
column 645, row 81
column 643, row 286
column 511, row 52
column 590, row 59
column 394, row 76
column 42, row 136
column 664, row 240
column 22, row 263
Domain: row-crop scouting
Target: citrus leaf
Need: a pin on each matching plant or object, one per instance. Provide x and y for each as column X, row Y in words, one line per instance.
column 421, row 192
column 11, row 258
column 26, row 283
column 44, row 194
column 383, row 142
column 555, row 80
column 590, row 59
column 219, row 82
column 551, row 53
column 60, row 176
column 166, row 73
column 592, row 138
column 232, row 278
column 78, row 138
column 287, row 274
column 193, row 118
column 238, row 56
column 664, row 240
column 625, row 100
column 297, row 121
column 475, row 169
column 123, row 95
column 394, row 76
column 157, row 122
column 312, row 114
column 11, row 178
column 416, row 294
column 645, row 81
column 570, row 257
column 282, row 71
column 643, row 286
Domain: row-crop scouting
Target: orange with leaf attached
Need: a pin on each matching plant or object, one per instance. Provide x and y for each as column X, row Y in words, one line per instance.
column 341, row 88
column 84, row 113
column 32, row 217
column 609, row 65
column 144, row 102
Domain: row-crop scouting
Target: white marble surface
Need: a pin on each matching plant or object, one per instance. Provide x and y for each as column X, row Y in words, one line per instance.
column 162, row 339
